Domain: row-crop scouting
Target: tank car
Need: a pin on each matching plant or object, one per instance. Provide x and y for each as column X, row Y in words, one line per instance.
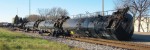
column 29, row 26
column 46, row 26
column 118, row 26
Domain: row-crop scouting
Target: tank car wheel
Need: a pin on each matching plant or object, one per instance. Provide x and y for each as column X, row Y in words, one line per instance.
column 53, row 34
column 67, row 34
column 50, row 34
column 57, row 34
column 41, row 32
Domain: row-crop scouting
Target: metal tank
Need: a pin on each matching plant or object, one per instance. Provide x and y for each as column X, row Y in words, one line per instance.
column 81, row 26
column 29, row 25
column 46, row 26
column 70, row 24
column 118, row 26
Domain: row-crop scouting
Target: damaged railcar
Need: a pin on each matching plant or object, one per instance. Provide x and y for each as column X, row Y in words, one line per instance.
column 118, row 26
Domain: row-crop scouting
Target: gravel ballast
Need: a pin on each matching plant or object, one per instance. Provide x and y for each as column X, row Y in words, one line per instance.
column 84, row 45
column 78, row 44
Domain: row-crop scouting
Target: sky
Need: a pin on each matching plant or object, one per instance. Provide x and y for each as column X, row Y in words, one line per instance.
column 8, row 8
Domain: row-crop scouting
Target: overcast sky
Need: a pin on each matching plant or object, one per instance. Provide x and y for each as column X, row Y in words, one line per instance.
column 8, row 8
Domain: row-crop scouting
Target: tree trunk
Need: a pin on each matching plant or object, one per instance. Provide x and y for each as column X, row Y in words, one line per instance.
column 139, row 23
column 148, row 24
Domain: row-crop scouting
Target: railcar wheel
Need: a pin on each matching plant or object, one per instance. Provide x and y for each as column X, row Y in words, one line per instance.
column 66, row 33
column 50, row 34
column 41, row 32
column 57, row 33
column 53, row 34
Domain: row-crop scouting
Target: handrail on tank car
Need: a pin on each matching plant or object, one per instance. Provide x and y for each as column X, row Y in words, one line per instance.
column 94, row 14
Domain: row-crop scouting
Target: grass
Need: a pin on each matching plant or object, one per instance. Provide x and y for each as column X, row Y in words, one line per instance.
column 17, row 41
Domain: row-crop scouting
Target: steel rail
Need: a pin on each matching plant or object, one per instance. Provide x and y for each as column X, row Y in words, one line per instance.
column 113, row 43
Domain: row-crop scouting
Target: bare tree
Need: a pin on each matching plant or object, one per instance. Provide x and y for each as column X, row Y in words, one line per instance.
column 43, row 13
column 57, row 12
column 138, row 8
column 52, row 13
column 33, row 17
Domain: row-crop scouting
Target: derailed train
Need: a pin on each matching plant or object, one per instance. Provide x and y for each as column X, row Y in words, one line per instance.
column 118, row 26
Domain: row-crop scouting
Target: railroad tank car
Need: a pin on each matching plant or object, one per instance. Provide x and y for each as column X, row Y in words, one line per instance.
column 29, row 26
column 118, row 26
column 46, row 26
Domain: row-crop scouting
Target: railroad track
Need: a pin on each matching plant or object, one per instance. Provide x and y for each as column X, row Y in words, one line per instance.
column 113, row 43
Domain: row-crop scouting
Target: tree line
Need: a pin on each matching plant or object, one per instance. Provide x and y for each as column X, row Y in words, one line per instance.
column 44, row 14
column 18, row 20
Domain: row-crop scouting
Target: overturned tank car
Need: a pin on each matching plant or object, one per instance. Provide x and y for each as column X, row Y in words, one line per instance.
column 118, row 26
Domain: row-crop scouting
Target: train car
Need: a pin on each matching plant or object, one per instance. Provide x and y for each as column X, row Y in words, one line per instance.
column 5, row 24
column 46, row 26
column 118, row 26
column 29, row 26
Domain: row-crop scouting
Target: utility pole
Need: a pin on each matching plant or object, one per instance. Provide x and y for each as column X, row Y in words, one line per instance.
column 29, row 7
column 103, row 7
